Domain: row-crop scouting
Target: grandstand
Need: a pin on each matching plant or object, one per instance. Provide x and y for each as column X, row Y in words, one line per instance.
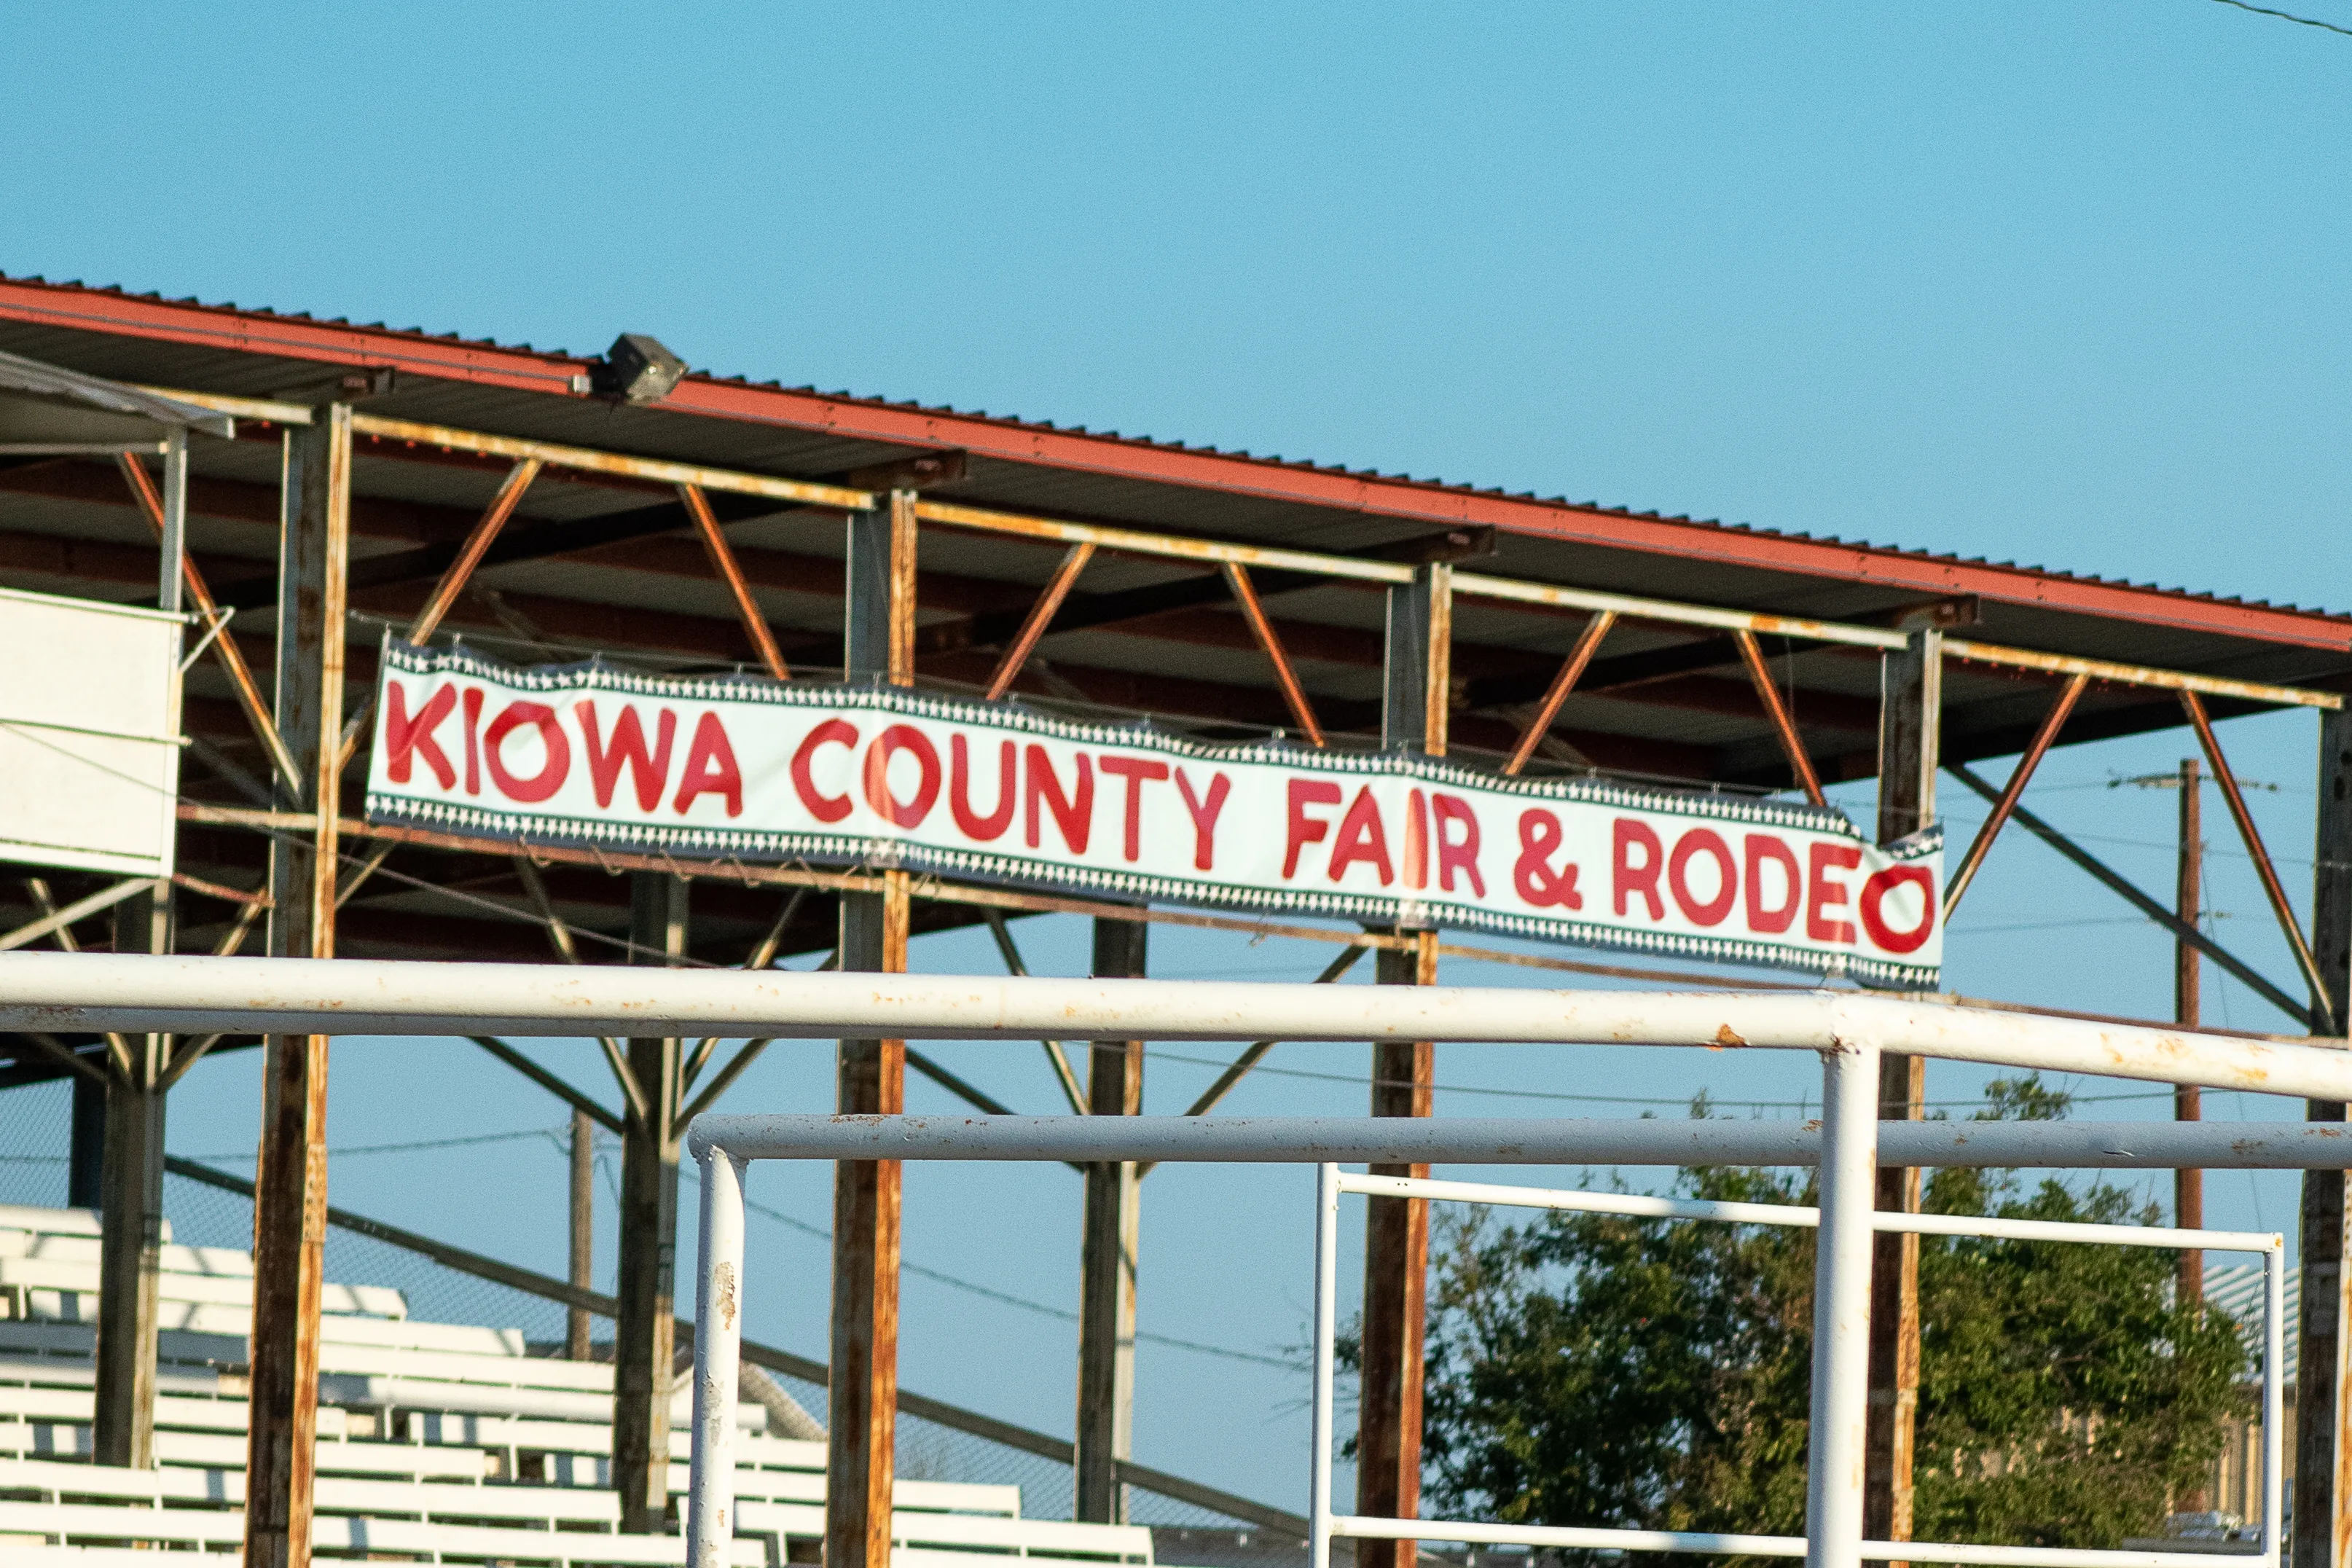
column 437, row 1442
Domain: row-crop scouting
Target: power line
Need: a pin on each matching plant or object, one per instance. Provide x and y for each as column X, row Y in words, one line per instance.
column 2289, row 16
column 974, row 1288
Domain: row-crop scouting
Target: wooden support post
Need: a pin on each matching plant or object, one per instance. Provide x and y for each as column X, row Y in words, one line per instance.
column 642, row 1333
column 2323, row 1446
column 1111, row 1235
column 877, row 646
column 289, row 1207
column 1416, row 703
column 131, row 1220
column 2188, row 1099
column 1911, row 692
column 1396, row 1275
column 577, row 1344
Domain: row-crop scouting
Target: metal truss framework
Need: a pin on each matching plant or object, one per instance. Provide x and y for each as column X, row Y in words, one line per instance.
column 309, row 737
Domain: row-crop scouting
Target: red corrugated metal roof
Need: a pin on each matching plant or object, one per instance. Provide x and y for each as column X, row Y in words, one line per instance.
column 523, row 368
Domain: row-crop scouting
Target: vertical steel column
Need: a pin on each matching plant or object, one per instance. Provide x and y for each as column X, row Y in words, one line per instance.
column 717, row 1362
column 1417, row 700
column 290, row 1208
column 131, row 1154
column 1111, row 1233
column 2323, row 1491
column 582, row 1275
column 877, row 646
column 1911, row 688
column 1841, row 1400
column 644, row 1331
column 131, row 1220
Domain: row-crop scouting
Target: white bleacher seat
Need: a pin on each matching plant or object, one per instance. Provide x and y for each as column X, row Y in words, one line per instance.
column 436, row 1442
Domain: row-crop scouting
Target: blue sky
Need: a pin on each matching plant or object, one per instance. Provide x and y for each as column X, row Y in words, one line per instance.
column 2056, row 283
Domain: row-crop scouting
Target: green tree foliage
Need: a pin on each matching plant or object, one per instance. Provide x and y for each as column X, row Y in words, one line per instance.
column 1593, row 1369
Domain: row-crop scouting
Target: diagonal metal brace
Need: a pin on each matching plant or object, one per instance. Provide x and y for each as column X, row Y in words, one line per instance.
column 2154, row 911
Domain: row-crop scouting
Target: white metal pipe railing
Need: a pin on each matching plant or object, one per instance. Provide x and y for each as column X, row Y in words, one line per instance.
column 1643, row 1206
column 1569, row 1141
column 1837, row 1443
column 137, row 993
column 718, row 1323
column 1841, row 1269
column 724, row 1145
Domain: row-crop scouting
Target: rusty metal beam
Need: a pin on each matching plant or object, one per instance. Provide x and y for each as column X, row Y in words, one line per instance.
column 1238, row 580
column 290, row 1184
column 1396, row 1280
column 2324, row 1020
column 723, row 561
column 225, row 648
column 862, row 1388
column 1055, row 1055
column 470, row 554
column 1768, row 691
column 2052, row 722
column 1041, row 616
column 1571, row 669
column 2157, row 914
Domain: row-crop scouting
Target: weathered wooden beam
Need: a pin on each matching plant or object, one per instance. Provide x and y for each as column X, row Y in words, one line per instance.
column 1911, row 687
column 862, row 1386
column 642, row 1336
column 290, row 1201
column 1416, row 715
column 1111, row 1234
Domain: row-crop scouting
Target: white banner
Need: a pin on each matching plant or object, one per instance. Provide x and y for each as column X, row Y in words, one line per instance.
column 754, row 770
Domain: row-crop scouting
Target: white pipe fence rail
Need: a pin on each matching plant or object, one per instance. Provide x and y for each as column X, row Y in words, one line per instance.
column 1326, row 1525
column 59, row 992
column 134, row 993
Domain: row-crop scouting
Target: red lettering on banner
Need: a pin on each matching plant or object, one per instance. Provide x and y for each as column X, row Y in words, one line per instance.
column 407, row 738
column 1204, row 819
column 1304, row 829
column 1627, row 880
column 555, row 763
column 1138, row 772
column 832, row 733
column 1008, row 791
column 1416, row 840
column 1759, row 847
column 1690, row 845
column 472, row 704
column 709, row 768
column 887, row 806
column 1361, row 838
column 1870, row 905
column 1074, row 812
column 1827, row 892
column 1538, row 883
column 648, row 770
column 1456, row 854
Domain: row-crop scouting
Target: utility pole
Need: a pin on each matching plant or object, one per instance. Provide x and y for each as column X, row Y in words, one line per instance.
column 2188, row 1099
column 2188, row 977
